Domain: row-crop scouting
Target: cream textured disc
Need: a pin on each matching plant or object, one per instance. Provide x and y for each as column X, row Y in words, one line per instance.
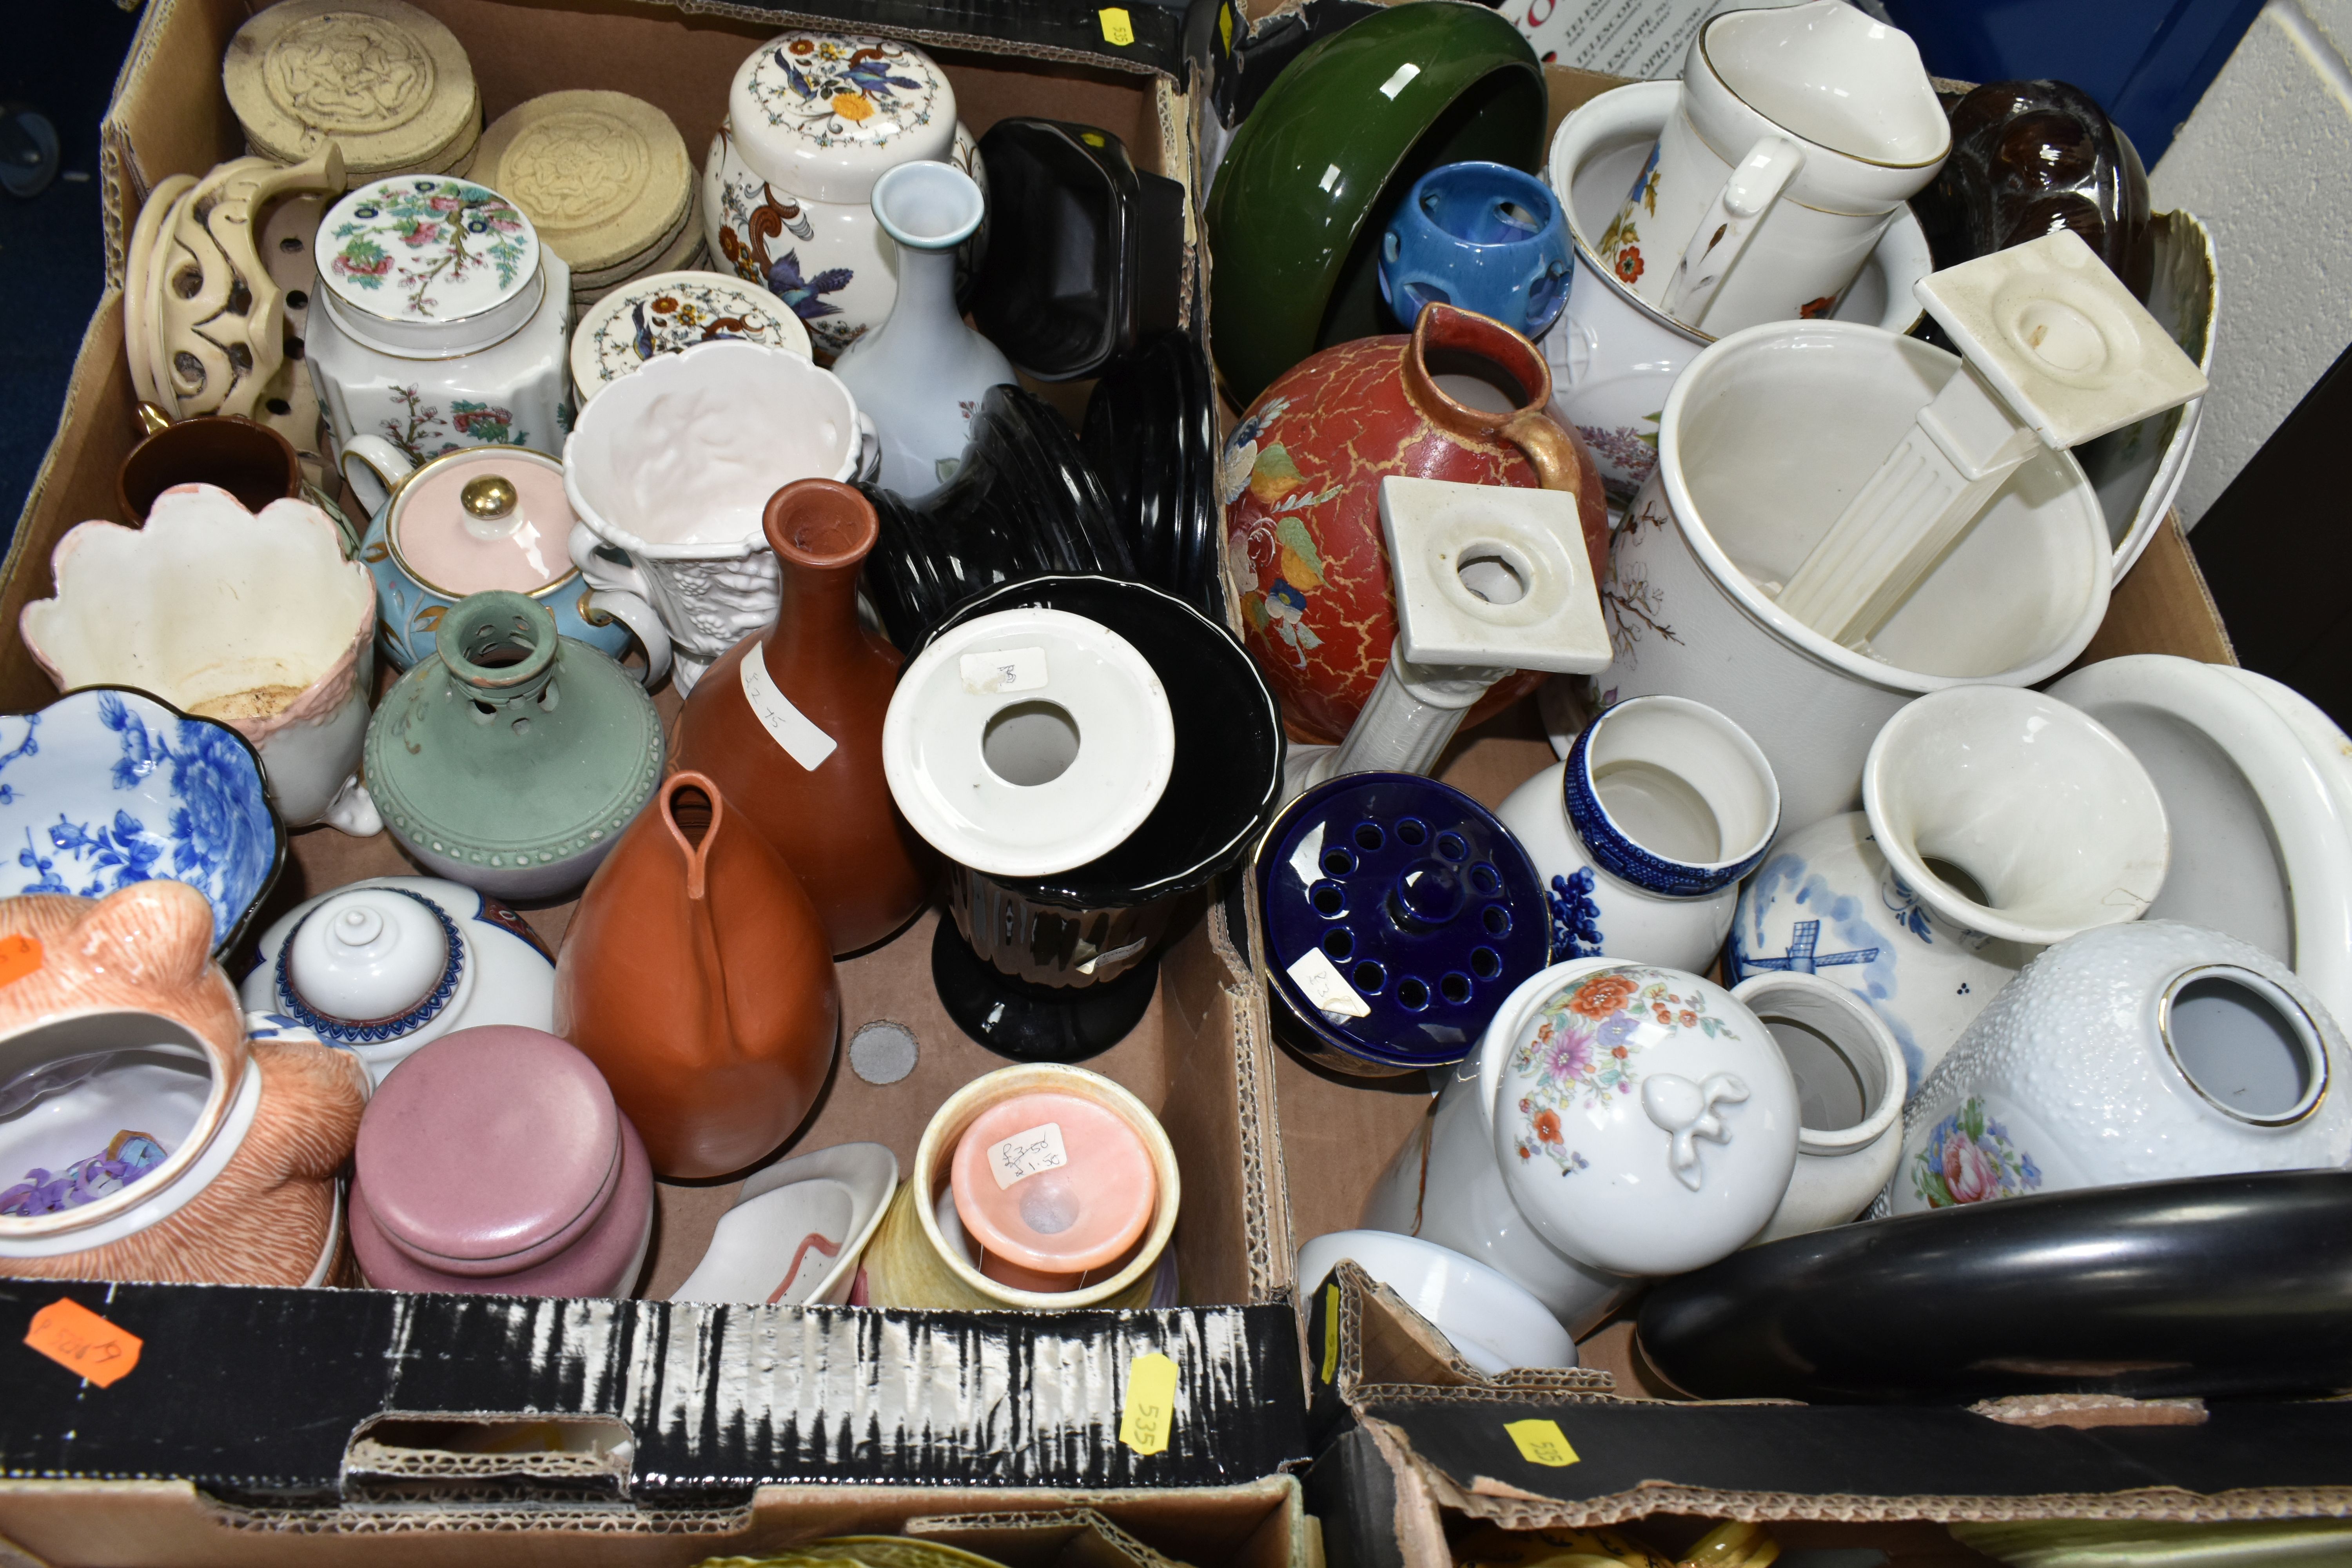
column 603, row 176
column 684, row 253
column 381, row 78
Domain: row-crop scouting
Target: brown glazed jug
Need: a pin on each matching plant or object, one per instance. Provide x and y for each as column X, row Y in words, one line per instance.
column 696, row 975
column 804, row 766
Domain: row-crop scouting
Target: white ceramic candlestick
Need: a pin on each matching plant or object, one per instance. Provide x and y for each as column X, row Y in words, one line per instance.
column 2057, row 351
column 1488, row 580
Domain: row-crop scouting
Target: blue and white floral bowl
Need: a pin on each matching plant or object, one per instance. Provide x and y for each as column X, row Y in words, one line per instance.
column 107, row 787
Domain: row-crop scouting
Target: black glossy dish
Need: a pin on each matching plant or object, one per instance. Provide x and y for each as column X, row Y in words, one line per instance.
column 1151, row 435
column 1025, row 500
column 1086, row 251
column 2216, row 1285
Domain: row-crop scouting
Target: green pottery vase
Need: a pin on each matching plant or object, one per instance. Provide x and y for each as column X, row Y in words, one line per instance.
column 511, row 759
column 1305, row 190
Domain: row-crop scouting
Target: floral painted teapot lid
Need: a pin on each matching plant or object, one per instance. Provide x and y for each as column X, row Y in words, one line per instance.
column 426, row 264
column 1644, row 1119
column 823, row 116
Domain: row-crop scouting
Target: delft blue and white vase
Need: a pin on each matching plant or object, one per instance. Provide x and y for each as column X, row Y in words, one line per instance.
column 1827, row 904
column 1483, row 236
column 1642, row 834
column 2139, row 1052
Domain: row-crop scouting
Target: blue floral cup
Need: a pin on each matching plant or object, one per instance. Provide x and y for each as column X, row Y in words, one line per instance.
column 499, row 511
column 1483, row 236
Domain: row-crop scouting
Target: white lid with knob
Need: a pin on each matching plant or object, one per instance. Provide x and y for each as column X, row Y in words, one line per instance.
column 376, row 963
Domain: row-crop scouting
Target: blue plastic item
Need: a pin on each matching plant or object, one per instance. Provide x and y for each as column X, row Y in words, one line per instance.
column 1483, row 236
column 2147, row 61
column 1401, row 896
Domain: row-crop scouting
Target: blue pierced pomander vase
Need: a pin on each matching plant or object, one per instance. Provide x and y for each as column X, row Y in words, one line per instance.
column 1641, row 835
column 1483, row 236
column 108, row 786
column 1399, row 914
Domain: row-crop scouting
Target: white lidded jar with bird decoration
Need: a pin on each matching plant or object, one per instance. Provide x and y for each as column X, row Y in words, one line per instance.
column 812, row 121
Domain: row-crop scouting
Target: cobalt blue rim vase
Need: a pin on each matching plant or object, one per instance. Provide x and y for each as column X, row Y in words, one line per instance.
column 1482, row 236
column 1643, row 833
column 1399, row 913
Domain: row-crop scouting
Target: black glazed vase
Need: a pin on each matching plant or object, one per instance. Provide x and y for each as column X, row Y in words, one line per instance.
column 1060, row 967
column 1025, row 500
column 1151, row 435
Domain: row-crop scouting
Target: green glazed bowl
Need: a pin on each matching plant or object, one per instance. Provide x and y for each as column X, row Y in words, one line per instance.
column 1297, row 208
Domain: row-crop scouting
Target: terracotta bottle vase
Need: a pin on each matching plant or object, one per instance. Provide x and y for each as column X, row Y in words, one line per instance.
column 1463, row 399
column 795, row 741
column 697, row 976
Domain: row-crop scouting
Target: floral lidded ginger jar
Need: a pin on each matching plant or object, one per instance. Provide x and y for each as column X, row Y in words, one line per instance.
column 2137, row 1052
column 1463, row 399
column 812, row 121
column 443, row 321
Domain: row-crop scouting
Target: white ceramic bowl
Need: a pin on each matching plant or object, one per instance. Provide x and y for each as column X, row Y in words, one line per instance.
column 1492, row 1320
column 797, row 1229
column 2262, row 826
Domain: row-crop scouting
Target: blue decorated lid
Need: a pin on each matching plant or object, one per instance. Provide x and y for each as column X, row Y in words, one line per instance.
column 1399, row 914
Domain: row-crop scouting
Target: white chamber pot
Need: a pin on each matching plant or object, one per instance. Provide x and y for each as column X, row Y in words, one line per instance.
column 382, row 967
column 1641, row 835
column 166, row 609
column 1763, row 442
column 1614, row 356
column 1494, row 1322
column 1616, row 1121
column 670, row 473
column 2131, row 1053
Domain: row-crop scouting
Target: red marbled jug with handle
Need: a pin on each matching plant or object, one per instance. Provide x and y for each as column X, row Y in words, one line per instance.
column 1301, row 479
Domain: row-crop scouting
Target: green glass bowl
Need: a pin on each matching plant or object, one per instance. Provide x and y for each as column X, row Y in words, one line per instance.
column 1297, row 208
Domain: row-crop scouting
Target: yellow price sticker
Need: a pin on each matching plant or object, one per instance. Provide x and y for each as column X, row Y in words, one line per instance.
column 1117, row 28
column 1225, row 27
column 1331, row 1332
column 1542, row 1442
column 1149, row 1412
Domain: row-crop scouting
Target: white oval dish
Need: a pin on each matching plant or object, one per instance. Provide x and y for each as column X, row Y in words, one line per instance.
column 1491, row 1319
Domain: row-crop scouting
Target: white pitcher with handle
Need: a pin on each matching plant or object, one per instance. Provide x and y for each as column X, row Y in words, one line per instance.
column 1801, row 132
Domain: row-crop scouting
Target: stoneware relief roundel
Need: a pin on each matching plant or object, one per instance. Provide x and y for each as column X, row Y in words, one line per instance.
column 346, row 71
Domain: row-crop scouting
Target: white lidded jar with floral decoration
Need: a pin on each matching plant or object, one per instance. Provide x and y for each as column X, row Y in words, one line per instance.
column 1617, row 1120
column 812, row 121
column 444, row 322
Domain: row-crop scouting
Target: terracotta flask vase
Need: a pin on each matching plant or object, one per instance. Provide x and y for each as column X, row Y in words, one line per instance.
column 1463, row 399
column 696, row 975
column 795, row 740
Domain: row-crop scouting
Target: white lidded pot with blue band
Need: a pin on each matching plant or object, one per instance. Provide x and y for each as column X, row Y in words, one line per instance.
column 1641, row 835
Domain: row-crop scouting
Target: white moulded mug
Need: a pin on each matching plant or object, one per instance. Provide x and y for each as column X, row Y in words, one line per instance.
column 1801, row 132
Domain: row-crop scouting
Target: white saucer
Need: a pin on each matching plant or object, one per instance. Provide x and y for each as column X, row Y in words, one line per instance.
column 2261, row 828
column 1494, row 1321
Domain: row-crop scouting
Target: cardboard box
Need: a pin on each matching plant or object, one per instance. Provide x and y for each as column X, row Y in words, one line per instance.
column 316, row 1424
column 1423, row 1441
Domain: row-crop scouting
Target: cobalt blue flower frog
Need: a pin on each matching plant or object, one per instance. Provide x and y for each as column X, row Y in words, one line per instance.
column 108, row 786
column 1399, row 914
column 1483, row 236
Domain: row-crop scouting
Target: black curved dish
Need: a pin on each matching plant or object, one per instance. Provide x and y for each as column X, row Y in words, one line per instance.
column 1151, row 435
column 1086, row 251
column 1090, row 933
column 1025, row 500
column 2218, row 1286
